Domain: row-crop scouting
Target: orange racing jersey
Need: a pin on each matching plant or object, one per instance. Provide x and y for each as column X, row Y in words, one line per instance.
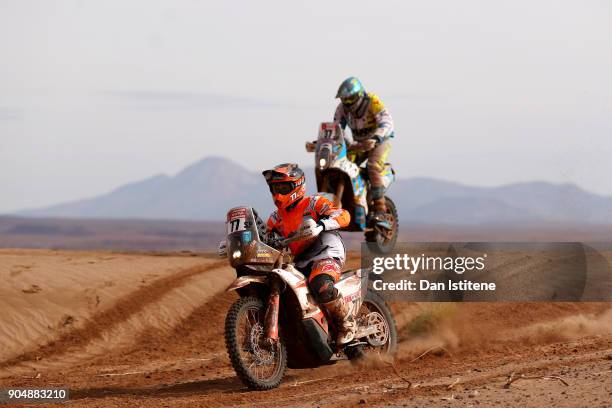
column 285, row 222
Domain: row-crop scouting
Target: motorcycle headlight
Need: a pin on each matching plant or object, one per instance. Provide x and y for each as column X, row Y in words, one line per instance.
column 324, row 157
column 236, row 254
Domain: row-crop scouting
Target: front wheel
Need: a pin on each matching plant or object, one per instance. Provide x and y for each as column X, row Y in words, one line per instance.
column 259, row 365
column 381, row 240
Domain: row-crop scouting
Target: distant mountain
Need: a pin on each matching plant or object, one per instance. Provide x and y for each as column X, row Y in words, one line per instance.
column 206, row 189
column 430, row 200
column 435, row 201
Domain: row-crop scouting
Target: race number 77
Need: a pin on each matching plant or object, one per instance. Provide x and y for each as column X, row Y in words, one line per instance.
column 236, row 224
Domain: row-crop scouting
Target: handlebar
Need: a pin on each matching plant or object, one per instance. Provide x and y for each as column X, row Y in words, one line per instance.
column 294, row 238
column 311, row 146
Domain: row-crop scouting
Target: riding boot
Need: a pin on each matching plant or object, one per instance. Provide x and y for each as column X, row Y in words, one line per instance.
column 345, row 323
column 380, row 211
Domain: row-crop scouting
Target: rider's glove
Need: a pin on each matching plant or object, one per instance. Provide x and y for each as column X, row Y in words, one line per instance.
column 222, row 250
column 379, row 139
column 367, row 145
column 273, row 239
column 370, row 144
column 310, row 228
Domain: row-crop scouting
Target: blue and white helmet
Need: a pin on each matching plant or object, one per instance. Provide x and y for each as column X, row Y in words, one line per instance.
column 350, row 92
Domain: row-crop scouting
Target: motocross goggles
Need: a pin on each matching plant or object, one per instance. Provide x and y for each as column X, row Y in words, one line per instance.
column 283, row 187
column 350, row 100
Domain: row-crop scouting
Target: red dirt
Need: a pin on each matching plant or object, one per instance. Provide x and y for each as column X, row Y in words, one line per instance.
column 184, row 362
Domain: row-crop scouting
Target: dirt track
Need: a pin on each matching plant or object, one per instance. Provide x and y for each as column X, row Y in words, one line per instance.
column 157, row 341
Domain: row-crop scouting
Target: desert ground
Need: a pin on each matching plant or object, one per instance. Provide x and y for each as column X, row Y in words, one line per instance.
column 146, row 329
column 199, row 236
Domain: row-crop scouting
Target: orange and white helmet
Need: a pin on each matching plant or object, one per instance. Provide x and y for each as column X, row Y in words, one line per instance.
column 287, row 184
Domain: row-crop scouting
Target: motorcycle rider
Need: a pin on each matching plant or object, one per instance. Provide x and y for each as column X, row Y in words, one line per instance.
column 371, row 128
column 321, row 255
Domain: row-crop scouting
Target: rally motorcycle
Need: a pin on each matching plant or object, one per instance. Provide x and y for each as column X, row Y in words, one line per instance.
column 347, row 184
column 276, row 323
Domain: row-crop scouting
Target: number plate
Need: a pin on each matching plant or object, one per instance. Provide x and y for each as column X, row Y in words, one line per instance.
column 328, row 130
column 236, row 220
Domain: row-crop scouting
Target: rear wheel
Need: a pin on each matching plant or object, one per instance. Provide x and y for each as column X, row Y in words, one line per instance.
column 374, row 311
column 259, row 365
column 381, row 240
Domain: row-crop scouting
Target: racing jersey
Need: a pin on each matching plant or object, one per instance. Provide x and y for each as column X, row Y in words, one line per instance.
column 371, row 119
column 327, row 244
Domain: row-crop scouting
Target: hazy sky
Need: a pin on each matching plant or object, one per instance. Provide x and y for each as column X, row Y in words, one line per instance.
column 94, row 94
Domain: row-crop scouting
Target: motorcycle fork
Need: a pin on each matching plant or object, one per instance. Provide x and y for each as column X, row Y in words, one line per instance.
column 271, row 319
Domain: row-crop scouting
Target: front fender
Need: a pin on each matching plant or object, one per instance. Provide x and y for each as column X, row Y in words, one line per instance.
column 296, row 281
column 243, row 281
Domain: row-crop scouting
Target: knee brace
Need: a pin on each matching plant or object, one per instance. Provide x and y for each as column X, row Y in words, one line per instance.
column 322, row 288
